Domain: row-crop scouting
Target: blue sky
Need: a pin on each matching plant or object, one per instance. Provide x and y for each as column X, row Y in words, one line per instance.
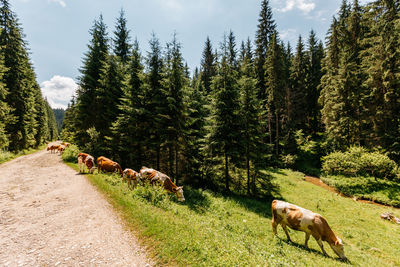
column 58, row 30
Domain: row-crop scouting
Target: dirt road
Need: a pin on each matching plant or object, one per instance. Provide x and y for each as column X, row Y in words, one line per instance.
column 52, row 216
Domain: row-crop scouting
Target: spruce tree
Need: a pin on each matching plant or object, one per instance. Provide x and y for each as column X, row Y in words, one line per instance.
column 52, row 123
column 19, row 79
column 265, row 29
column 298, row 89
column 329, row 99
column 130, row 130
column 87, row 108
column 109, row 93
column 315, row 54
column 195, row 133
column 207, row 66
column 381, row 62
column 122, row 47
column 224, row 135
column 250, row 113
column 275, row 89
column 155, row 105
column 5, row 110
column 42, row 133
column 174, row 83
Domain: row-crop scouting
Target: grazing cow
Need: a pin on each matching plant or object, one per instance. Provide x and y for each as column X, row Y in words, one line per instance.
column 311, row 223
column 107, row 165
column 52, row 148
column 87, row 160
column 132, row 177
column 65, row 144
column 61, row 149
column 154, row 176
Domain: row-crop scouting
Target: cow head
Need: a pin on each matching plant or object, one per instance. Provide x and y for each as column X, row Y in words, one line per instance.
column 338, row 248
column 179, row 193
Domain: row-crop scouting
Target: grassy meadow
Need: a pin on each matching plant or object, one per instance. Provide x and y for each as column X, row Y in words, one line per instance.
column 215, row 230
column 379, row 190
column 7, row 155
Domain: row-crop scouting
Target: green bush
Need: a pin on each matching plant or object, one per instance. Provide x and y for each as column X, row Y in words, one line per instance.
column 70, row 154
column 156, row 195
column 359, row 162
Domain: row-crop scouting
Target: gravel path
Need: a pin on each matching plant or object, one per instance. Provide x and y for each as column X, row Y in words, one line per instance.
column 52, row 216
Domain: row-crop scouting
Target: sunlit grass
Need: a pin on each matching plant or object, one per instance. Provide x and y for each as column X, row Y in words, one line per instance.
column 378, row 190
column 215, row 230
column 7, row 156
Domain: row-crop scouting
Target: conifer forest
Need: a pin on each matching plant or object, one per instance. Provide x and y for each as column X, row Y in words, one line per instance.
column 250, row 104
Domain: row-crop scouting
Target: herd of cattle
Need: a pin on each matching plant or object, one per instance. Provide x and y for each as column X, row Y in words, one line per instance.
column 132, row 177
column 283, row 213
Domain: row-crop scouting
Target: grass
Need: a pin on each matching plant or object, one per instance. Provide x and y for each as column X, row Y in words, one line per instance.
column 378, row 190
column 215, row 230
column 7, row 156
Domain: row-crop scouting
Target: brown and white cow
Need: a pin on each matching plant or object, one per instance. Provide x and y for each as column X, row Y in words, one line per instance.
column 132, row 177
column 53, row 148
column 107, row 165
column 311, row 223
column 81, row 161
column 154, row 176
column 61, row 149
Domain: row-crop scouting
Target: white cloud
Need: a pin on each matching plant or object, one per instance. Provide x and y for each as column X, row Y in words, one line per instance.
column 61, row 2
column 304, row 5
column 288, row 35
column 59, row 91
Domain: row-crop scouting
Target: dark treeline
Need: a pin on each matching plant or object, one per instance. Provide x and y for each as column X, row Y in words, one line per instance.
column 247, row 107
column 26, row 118
column 59, row 114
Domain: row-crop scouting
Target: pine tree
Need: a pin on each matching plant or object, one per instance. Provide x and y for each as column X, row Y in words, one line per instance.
column 174, row 84
column 19, row 79
column 131, row 127
column 224, row 135
column 5, row 110
column 109, row 94
column 69, row 124
column 52, row 123
column 275, row 89
column 156, row 103
column 330, row 99
column 250, row 114
column 122, row 46
column 265, row 29
column 195, row 133
column 207, row 65
column 381, row 61
column 298, row 89
column 42, row 133
column 232, row 58
column 87, row 108
column 315, row 54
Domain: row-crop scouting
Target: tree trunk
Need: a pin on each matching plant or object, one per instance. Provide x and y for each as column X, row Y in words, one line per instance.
column 226, row 172
column 158, row 156
column 248, row 169
column 277, row 133
column 176, row 164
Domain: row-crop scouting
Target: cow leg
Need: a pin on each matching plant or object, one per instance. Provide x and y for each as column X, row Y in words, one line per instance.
column 286, row 232
column 319, row 241
column 306, row 242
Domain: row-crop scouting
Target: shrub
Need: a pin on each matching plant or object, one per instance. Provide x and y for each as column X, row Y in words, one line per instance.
column 356, row 161
column 288, row 160
column 70, row 153
column 155, row 195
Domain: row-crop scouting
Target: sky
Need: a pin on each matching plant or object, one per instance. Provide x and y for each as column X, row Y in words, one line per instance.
column 58, row 30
